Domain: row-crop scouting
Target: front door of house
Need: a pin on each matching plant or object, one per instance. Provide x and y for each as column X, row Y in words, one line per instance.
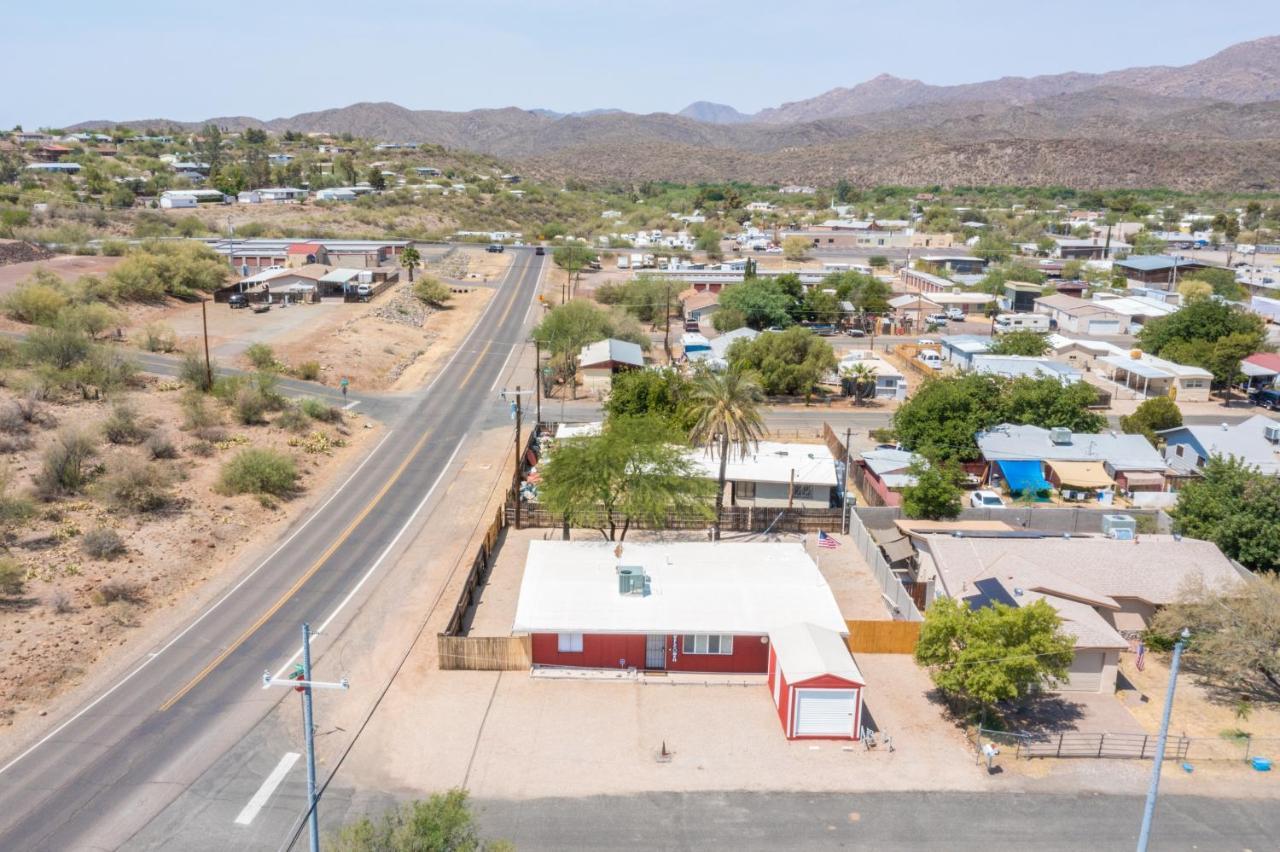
column 655, row 651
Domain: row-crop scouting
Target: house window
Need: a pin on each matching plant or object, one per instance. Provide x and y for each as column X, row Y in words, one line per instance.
column 745, row 490
column 569, row 643
column 803, row 492
column 704, row 643
column 1178, row 451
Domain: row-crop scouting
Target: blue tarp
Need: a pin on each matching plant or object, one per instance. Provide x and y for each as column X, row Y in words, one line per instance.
column 1024, row 477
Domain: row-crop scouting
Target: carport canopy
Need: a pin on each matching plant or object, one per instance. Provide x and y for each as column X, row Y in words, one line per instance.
column 1023, row 476
column 1082, row 474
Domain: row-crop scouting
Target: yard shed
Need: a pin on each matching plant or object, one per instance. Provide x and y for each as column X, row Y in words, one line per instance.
column 815, row 683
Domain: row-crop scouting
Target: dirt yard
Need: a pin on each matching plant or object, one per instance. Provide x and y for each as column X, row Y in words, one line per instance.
column 75, row 607
column 69, row 266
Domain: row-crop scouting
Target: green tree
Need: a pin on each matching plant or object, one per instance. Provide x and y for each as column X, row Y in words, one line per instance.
column 978, row 658
column 1224, row 361
column 936, row 493
column 1150, row 417
column 726, row 411
column 861, row 379
column 1203, row 320
column 795, row 248
column 1145, row 242
column 708, row 240
column 1047, row 403
column 410, row 260
column 572, row 259
column 788, row 362
column 665, row 393
column 432, row 291
column 728, row 319
column 1223, row 282
column 1030, row 343
column 635, row 471
column 209, row 147
column 442, row 823
column 761, row 301
column 569, row 327
column 992, row 247
column 819, row 306
column 376, row 179
column 1237, row 508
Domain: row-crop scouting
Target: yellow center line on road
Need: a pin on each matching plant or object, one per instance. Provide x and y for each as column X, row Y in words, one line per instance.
column 329, row 551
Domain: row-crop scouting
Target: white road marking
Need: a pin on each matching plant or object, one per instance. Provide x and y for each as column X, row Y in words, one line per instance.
column 156, row 654
column 269, row 785
column 351, row 405
column 377, row 562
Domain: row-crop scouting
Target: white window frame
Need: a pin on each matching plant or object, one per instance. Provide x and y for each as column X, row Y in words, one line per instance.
column 569, row 643
column 700, row 643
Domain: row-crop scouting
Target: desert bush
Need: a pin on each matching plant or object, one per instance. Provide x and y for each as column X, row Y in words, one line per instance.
column 214, row 434
column 159, row 445
column 268, row 385
column 294, row 419
column 102, row 543
column 308, row 371
column 35, row 302
column 91, row 319
column 105, row 369
column 261, row 356
column 122, row 425
column 227, row 388
column 60, row 602
column 192, row 371
column 137, row 486
column 250, row 406
column 15, row 508
column 11, row 420
column 196, row 413
column 203, row 449
column 114, row 248
column 65, row 466
column 259, row 471
column 117, row 589
column 13, row 577
column 158, row 337
column 322, row 411
column 60, row 348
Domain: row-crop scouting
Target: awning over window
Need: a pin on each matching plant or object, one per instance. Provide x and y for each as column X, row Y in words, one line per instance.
column 1078, row 474
column 1143, row 477
column 1023, row 476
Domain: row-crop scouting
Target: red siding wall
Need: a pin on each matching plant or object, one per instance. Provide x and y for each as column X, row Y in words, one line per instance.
column 605, row 651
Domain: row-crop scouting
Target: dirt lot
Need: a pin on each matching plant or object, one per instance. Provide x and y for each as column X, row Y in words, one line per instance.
column 70, row 267
column 62, row 623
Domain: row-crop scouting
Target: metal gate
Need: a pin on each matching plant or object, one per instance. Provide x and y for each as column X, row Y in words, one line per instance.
column 655, row 651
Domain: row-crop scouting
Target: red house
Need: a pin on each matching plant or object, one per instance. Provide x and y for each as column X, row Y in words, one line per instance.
column 686, row 606
column 815, row 684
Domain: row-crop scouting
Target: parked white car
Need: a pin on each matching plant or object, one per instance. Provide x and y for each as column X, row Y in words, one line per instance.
column 986, row 500
column 930, row 359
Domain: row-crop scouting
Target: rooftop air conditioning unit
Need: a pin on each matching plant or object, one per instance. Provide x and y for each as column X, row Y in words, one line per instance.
column 1122, row 527
column 1272, row 432
column 1060, row 435
column 631, row 581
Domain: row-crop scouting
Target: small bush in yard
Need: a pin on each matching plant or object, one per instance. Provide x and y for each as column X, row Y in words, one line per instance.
column 259, row 471
column 250, row 406
column 137, row 486
column 196, row 413
column 65, row 468
column 193, row 372
column 322, row 411
column 293, row 419
column 308, row 371
column 35, row 303
column 158, row 337
column 102, row 543
column 60, row 602
column 118, row 590
column 159, row 445
column 60, row 348
column 203, row 449
column 122, row 425
column 213, row 434
column 261, row 356
column 13, row 577
column 14, row 507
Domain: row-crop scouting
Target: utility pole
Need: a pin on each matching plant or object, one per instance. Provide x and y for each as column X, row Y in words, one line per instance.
column 516, row 481
column 208, row 364
column 848, row 475
column 666, row 309
column 302, row 682
column 537, row 377
column 1154, row 788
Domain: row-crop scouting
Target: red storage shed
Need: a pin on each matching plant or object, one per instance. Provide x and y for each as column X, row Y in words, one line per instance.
column 815, row 683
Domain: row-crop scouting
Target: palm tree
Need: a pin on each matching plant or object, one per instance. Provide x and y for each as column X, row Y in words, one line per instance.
column 410, row 258
column 863, row 379
column 727, row 409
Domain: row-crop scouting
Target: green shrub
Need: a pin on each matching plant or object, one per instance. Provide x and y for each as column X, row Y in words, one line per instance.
column 118, row 590
column 250, row 406
column 293, row 419
column 122, row 425
column 159, row 445
column 196, row 413
column 35, row 303
column 322, row 411
column 60, row 348
column 65, row 466
column 106, row 369
column 259, row 471
column 91, row 319
column 137, row 486
column 227, row 388
column 194, row 372
column 13, row 577
column 308, row 371
column 15, row 508
column 261, row 356
column 158, row 337
column 114, row 248
column 102, row 543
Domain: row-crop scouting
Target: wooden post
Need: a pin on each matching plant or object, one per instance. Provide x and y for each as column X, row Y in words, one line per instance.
column 208, row 364
column 791, row 489
column 537, row 379
column 515, row 486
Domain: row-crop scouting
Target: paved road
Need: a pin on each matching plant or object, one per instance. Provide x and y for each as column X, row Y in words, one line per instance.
column 902, row 820
column 106, row 770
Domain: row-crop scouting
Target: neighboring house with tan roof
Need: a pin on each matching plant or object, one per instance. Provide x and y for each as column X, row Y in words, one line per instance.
column 1081, row 316
column 696, row 304
column 1103, row 588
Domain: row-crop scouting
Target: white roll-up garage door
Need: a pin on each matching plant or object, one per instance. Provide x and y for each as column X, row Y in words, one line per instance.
column 1085, row 674
column 825, row 712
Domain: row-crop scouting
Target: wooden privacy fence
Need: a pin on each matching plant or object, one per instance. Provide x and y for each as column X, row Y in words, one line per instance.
column 479, row 572
column 883, row 637
column 484, row 653
column 732, row 519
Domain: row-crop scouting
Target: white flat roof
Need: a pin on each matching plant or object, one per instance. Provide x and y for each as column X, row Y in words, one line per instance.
column 694, row 587
column 579, row 430
column 806, row 651
column 770, row 461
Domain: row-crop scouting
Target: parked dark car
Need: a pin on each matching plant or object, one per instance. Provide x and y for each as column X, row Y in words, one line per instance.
column 1269, row 399
column 238, row 300
column 540, row 250
column 495, row 247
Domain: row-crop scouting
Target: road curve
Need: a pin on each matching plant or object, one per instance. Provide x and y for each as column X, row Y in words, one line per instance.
column 105, row 770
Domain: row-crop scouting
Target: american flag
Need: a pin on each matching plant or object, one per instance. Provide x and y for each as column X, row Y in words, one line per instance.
column 1142, row 656
column 825, row 540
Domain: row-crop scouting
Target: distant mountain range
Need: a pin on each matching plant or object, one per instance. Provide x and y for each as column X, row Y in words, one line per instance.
column 1214, row 124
